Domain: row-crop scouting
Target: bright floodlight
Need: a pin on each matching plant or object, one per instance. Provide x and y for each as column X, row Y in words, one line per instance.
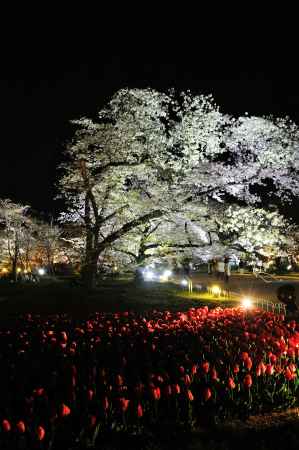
column 216, row 290
column 41, row 271
column 247, row 303
column 148, row 275
column 167, row 273
column 184, row 282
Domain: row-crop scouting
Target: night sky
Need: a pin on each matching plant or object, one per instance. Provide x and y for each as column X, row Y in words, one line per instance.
column 42, row 90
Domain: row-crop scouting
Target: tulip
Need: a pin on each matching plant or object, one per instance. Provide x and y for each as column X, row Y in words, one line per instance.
column 193, row 369
column 40, row 432
column 244, row 356
column 292, row 367
column 247, row 381
column 21, row 427
column 124, row 403
column 248, row 363
column 156, row 393
column 90, row 394
column 176, row 389
column 182, row 370
column 214, row 375
column 205, row 366
column 6, row 425
column 273, row 358
column 236, row 368
column 289, row 375
column 139, row 411
column 39, row 392
column 187, row 380
column 269, row 369
column 105, row 403
column 64, row 410
column 190, row 395
column 119, row 380
column 207, row 394
column 231, row 383
column 92, row 421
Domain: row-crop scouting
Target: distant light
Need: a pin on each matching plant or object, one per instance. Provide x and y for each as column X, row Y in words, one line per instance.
column 4, row 270
column 41, row 271
column 216, row 290
column 247, row 303
column 167, row 273
column 184, row 283
column 25, row 271
column 148, row 275
column 19, row 270
column 289, row 267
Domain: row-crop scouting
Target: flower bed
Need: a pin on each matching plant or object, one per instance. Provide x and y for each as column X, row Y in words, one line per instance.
column 71, row 382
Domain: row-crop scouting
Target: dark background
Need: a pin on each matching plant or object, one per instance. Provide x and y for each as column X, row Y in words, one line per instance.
column 43, row 88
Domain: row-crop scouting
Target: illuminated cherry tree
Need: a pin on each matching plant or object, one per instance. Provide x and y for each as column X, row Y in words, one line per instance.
column 148, row 155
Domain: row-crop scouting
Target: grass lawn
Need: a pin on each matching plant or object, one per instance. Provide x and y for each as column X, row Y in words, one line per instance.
column 113, row 295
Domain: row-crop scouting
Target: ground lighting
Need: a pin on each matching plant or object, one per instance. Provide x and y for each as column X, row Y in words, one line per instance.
column 166, row 274
column 216, row 290
column 148, row 275
column 41, row 271
column 184, row 283
column 247, row 303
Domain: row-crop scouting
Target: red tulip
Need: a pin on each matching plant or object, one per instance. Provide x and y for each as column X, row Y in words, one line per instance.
column 105, row 403
column 190, row 395
column 21, row 427
column 63, row 336
column 292, row 367
column 92, row 421
column 176, row 388
column 181, row 369
column 205, row 366
column 39, row 392
column 214, row 375
column 248, row 363
column 236, row 368
column 124, row 403
column 289, row 375
column 247, row 381
column 187, row 380
column 269, row 369
column 64, row 410
column 6, row 425
column 156, row 393
column 40, row 433
column 244, row 356
column 193, row 369
column 139, row 411
column 273, row 358
column 207, row 394
column 119, row 380
column 231, row 383
column 90, row 394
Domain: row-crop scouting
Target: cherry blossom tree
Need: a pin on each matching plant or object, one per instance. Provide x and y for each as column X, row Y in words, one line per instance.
column 15, row 232
column 148, row 155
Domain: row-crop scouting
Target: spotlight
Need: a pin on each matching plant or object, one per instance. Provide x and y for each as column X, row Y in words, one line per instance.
column 184, row 283
column 148, row 275
column 216, row 290
column 41, row 271
column 247, row 303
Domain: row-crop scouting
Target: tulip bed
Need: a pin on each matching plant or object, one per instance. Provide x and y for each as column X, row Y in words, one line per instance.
column 70, row 382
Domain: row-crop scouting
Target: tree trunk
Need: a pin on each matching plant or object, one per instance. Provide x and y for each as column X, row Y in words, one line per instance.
column 14, row 269
column 89, row 270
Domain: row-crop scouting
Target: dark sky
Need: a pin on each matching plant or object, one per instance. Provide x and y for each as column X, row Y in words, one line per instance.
column 42, row 90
